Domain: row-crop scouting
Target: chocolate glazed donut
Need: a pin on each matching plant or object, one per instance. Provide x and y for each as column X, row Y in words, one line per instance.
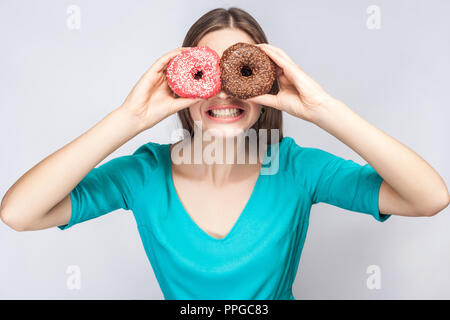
column 246, row 71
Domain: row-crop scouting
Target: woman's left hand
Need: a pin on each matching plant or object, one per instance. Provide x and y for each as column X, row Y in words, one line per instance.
column 299, row 95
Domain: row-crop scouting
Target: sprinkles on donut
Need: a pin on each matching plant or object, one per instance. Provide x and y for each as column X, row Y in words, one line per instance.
column 195, row 73
column 246, row 71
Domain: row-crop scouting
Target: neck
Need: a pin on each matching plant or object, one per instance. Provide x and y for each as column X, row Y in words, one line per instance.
column 219, row 159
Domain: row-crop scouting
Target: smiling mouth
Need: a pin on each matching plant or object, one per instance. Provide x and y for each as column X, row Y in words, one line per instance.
column 229, row 112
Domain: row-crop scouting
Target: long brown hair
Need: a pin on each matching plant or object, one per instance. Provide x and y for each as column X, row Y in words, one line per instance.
column 220, row 18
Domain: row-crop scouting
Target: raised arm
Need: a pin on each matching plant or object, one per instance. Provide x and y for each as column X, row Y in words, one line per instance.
column 40, row 198
column 410, row 186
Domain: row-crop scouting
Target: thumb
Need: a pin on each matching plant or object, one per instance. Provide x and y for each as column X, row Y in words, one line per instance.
column 269, row 100
column 182, row 103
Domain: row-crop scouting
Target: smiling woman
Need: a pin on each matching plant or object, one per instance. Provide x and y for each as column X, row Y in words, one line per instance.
column 220, row 29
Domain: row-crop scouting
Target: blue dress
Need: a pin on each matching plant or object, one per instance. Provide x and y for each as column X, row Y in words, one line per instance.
column 259, row 257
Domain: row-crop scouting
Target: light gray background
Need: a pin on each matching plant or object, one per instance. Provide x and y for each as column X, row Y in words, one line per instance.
column 56, row 83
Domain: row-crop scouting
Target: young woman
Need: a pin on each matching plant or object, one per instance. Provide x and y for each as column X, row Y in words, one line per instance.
column 224, row 230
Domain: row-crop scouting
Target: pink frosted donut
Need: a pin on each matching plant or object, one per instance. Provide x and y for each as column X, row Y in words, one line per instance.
column 195, row 73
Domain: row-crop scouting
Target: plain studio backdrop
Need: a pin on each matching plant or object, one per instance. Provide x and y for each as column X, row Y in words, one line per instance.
column 64, row 65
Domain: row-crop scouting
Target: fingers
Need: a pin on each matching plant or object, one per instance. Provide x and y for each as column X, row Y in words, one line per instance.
column 182, row 103
column 283, row 61
column 162, row 62
column 269, row 100
column 281, row 58
column 277, row 54
column 153, row 74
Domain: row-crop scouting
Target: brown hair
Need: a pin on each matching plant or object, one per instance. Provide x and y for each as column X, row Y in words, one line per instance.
column 220, row 18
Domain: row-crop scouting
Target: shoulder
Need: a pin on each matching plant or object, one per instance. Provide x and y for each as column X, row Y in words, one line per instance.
column 303, row 155
column 135, row 170
column 305, row 162
column 150, row 153
column 138, row 165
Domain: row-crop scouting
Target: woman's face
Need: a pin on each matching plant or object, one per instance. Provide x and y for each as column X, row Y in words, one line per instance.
column 225, row 125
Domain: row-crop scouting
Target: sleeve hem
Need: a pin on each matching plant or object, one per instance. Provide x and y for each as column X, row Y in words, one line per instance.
column 72, row 212
column 375, row 200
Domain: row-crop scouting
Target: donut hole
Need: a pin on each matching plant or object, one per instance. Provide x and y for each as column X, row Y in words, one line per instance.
column 246, row 71
column 198, row 75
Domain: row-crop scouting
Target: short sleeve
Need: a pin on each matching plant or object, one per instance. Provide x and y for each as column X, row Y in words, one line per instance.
column 337, row 181
column 108, row 187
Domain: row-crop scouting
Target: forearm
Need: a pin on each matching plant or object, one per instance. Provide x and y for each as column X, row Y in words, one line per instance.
column 48, row 182
column 405, row 171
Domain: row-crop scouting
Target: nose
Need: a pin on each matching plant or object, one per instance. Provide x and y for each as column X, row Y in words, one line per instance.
column 222, row 95
column 227, row 98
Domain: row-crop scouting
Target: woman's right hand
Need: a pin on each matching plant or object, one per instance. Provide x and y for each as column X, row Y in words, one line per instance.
column 151, row 99
column 40, row 198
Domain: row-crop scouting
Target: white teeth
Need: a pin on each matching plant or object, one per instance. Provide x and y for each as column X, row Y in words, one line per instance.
column 232, row 112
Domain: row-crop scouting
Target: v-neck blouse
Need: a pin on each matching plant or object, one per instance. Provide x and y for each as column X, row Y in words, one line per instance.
column 259, row 257
column 190, row 222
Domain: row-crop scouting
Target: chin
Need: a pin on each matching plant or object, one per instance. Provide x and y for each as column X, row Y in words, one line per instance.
column 223, row 131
